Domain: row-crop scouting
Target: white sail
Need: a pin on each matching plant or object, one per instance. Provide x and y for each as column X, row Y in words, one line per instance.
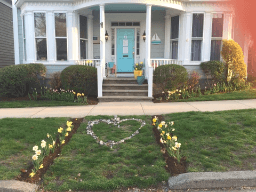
column 155, row 39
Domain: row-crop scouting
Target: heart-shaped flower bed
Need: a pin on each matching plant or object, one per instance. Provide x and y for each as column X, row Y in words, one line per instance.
column 115, row 121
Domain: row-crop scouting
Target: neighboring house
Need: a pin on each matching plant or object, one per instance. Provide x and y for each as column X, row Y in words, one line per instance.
column 6, row 34
column 60, row 33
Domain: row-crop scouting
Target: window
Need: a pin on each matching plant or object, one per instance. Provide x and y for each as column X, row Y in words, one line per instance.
column 61, row 36
column 197, row 36
column 112, row 41
column 24, row 40
column 83, row 37
column 217, row 30
column 40, row 36
column 174, row 37
column 125, row 24
column 138, row 42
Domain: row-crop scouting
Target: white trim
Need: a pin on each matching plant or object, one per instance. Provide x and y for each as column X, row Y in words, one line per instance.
column 6, row 3
column 15, row 34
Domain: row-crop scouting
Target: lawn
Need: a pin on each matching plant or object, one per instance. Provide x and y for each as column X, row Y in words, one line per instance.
column 211, row 141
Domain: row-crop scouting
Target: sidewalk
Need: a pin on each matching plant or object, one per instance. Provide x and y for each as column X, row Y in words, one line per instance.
column 126, row 108
column 211, row 182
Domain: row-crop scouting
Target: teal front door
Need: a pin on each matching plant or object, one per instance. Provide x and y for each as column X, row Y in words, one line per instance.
column 125, row 50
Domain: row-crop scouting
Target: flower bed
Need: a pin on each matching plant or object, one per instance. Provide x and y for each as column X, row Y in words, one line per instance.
column 175, row 164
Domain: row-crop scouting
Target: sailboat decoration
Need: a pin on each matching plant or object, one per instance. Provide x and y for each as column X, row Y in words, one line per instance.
column 156, row 40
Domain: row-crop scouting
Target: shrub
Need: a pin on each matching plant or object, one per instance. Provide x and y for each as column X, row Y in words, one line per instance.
column 234, row 59
column 17, row 80
column 55, row 81
column 170, row 77
column 215, row 69
column 193, row 79
column 80, row 78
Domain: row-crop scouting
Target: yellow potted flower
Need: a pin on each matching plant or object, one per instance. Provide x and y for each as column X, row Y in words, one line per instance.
column 138, row 70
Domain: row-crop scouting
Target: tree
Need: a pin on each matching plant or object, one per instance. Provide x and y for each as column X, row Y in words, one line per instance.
column 233, row 57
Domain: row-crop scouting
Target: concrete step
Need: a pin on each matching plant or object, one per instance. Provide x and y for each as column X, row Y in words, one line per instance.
column 125, row 87
column 121, row 81
column 124, row 98
column 125, row 92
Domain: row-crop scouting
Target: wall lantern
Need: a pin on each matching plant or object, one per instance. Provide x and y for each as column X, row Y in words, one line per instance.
column 144, row 36
column 106, row 36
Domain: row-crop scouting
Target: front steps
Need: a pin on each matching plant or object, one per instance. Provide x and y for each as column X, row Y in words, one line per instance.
column 123, row 90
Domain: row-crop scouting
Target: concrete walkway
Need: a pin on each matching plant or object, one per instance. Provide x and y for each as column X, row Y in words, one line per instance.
column 188, row 181
column 126, row 108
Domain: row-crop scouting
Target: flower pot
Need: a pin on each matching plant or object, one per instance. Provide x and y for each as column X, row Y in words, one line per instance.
column 137, row 73
column 140, row 79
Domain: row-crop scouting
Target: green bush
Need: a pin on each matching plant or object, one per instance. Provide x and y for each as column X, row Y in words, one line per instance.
column 170, row 77
column 80, row 78
column 216, row 69
column 17, row 80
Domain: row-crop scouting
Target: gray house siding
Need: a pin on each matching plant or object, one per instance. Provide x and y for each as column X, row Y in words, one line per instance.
column 6, row 36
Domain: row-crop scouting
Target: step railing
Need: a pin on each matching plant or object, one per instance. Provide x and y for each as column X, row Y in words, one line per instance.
column 88, row 62
column 158, row 62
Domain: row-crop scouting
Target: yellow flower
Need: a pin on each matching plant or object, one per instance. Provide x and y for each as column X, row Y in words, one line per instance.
column 74, row 93
column 32, row 174
column 135, row 68
column 162, row 122
column 82, row 94
column 53, row 143
column 137, row 64
column 66, row 134
column 154, row 120
column 69, row 129
column 153, row 124
column 50, row 146
column 63, row 141
column 160, row 125
column 69, row 123
column 169, row 138
column 173, row 129
column 41, row 166
column 78, row 94
column 34, row 157
column 60, row 130
column 167, row 134
column 174, row 148
column 48, row 135
column 163, row 132
column 174, row 138
column 141, row 62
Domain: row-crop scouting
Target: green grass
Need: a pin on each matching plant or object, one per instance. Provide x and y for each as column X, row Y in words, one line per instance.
column 137, row 162
column 17, row 138
column 40, row 103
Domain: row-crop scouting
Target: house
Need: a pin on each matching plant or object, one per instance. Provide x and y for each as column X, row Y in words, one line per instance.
column 60, row 33
column 6, row 34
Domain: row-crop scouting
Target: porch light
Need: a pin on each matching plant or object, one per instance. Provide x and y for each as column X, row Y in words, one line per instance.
column 106, row 36
column 144, row 36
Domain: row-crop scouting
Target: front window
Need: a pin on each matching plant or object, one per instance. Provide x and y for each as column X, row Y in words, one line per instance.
column 61, row 36
column 40, row 36
column 197, row 37
column 217, row 31
column 174, row 37
column 138, row 42
column 83, row 37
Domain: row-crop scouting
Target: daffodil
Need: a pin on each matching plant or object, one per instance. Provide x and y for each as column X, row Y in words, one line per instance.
column 60, row 130
column 160, row 125
column 35, row 148
column 173, row 129
column 69, row 129
column 169, row 138
column 161, row 140
column 174, row 148
column 66, row 134
column 41, row 166
column 163, row 132
column 74, row 93
column 78, row 94
column 177, row 145
column 48, row 135
column 82, row 94
column 34, row 157
column 141, row 62
column 43, row 143
column 50, row 146
column 163, row 122
column 63, row 141
column 32, row 174
column 53, row 143
column 38, row 152
column 154, row 120
column 174, row 138
column 69, row 123
column 167, row 134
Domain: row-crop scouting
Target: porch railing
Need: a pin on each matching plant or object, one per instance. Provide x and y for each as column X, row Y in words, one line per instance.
column 158, row 62
column 89, row 62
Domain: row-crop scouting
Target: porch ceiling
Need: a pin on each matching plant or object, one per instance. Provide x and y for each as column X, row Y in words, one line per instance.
column 126, row 8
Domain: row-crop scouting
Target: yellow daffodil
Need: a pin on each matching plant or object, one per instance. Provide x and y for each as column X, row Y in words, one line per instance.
column 167, row 134
column 174, row 138
column 53, row 143
column 63, row 141
column 137, row 64
column 174, row 148
column 41, row 166
column 69, row 123
column 173, row 129
column 38, row 152
column 135, row 68
column 43, row 143
column 163, row 132
column 154, row 120
column 66, row 134
column 32, row 174
column 160, row 125
column 82, row 94
column 48, row 135
column 153, row 124
column 141, row 62
column 74, row 93
column 60, row 130
column 35, row 148
column 169, row 138
column 50, row 146
column 78, row 94
column 69, row 129
column 34, row 157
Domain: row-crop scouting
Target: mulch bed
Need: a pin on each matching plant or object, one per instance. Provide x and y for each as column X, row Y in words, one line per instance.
column 48, row 160
column 172, row 165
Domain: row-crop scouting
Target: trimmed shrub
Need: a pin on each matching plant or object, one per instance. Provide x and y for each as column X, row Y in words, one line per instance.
column 55, row 81
column 216, row 69
column 80, row 78
column 193, row 80
column 170, row 77
column 17, row 80
column 233, row 56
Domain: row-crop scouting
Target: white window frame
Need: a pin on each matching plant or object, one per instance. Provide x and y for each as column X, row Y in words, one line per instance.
column 40, row 37
column 86, row 40
column 24, row 39
column 176, row 39
column 197, row 38
column 55, row 38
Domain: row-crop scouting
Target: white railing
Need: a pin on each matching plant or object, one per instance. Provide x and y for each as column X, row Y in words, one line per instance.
column 88, row 62
column 158, row 62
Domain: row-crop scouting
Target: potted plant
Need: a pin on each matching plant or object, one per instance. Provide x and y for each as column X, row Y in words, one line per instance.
column 138, row 69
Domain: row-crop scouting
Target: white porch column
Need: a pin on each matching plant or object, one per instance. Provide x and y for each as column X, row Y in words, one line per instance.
column 187, row 32
column 30, row 37
column 102, row 38
column 75, row 40
column 15, row 34
column 90, row 36
column 50, row 36
column 227, row 26
column 167, row 36
column 149, row 71
column 207, row 37
column 70, row 36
